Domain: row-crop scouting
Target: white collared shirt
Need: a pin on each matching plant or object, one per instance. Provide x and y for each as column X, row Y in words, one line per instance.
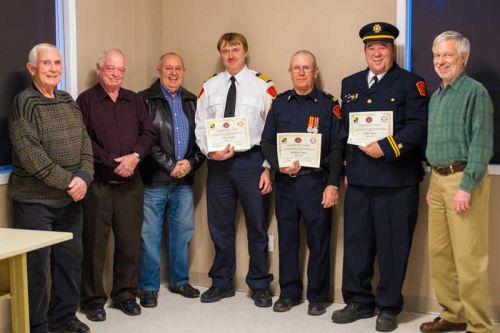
column 253, row 100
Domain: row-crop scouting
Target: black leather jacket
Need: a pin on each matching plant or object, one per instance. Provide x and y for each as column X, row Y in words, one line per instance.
column 156, row 167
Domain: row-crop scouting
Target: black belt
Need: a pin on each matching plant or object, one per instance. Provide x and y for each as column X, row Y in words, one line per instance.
column 303, row 172
column 111, row 182
column 450, row 169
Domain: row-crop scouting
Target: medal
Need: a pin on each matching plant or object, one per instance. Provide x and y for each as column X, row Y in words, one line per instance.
column 312, row 125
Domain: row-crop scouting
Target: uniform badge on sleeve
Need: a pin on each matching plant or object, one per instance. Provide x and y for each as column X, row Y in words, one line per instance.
column 421, row 88
column 272, row 92
column 337, row 111
column 312, row 125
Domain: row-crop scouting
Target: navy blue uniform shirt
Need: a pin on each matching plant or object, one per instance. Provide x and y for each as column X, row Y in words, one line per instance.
column 403, row 93
column 294, row 113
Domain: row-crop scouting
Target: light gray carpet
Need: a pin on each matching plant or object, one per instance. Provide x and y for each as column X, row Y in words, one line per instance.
column 176, row 314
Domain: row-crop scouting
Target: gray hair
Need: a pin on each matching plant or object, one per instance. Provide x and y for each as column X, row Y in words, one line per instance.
column 462, row 45
column 304, row 52
column 33, row 55
column 171, row 54
column 102, row 55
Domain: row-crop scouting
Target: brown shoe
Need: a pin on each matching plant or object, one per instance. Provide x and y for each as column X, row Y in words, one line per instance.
column 442, row 325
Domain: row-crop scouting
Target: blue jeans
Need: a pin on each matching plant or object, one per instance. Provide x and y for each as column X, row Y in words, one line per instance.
column 178, row 204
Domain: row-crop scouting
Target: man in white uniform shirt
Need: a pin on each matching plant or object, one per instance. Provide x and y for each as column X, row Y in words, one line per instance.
column 238, row 91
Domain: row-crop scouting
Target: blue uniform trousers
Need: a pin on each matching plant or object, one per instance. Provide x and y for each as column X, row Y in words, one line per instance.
column 237, row 177
column 298, row 198
column 379, row 221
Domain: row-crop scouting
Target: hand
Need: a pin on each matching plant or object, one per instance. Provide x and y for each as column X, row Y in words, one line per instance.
column 126, row 165
column 428, row 197
column 373, row 150
column 222, row 155
column 291, row 170
column 265, row 183
column 77, row 189
column 461, row 201
column 181, row 169
column 330, row 196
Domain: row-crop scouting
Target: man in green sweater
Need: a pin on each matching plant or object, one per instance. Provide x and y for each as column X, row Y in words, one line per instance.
column 52, row 168
column 459, row 147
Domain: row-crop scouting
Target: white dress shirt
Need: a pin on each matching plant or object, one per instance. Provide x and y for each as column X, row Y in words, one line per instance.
column 253, row 100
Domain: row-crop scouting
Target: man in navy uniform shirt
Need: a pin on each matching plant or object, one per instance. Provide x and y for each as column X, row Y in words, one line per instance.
column 381, row 199
column 302, row 191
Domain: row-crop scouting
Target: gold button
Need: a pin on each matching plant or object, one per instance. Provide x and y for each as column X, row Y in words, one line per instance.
column 369, row 101
column 392, row 99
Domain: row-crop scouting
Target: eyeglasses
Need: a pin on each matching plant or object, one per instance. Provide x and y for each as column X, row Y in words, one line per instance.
column 112, row 69
column 306, row 69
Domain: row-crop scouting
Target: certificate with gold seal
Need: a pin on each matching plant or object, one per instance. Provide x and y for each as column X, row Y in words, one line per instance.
column 227, row 131
column 302, row 147
column 367, row 127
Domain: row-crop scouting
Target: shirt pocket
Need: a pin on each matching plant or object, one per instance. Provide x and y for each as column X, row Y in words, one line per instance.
column 216, row 107
column 252, row 107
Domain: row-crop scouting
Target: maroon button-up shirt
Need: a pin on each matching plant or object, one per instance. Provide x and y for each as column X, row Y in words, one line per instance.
column 115, row 128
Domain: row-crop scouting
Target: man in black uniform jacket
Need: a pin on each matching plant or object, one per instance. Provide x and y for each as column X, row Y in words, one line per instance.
column 381, row 199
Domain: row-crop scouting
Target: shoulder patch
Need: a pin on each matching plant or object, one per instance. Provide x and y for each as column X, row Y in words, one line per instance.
column 421, row 88
column 263, row 77
column 336, row 110
column 272, row 91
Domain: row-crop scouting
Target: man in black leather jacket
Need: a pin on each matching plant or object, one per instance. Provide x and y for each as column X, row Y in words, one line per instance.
column 168, row 174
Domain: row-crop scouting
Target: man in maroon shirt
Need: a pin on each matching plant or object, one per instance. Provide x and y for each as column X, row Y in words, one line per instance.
column 121, row 132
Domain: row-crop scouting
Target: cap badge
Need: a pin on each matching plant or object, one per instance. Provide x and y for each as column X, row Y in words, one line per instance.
column 377, row 28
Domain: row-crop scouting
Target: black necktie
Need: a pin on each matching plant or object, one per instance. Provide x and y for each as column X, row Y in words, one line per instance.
column 374, row 80
column 231, row 99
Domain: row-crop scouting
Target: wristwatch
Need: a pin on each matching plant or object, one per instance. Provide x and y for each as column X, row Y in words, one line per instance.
column 138, row 156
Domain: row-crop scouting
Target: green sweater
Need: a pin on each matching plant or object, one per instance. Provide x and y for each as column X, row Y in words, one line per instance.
column 50, row 147
column 461, row 129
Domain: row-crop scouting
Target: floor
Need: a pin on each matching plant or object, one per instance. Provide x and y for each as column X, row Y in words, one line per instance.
column 236, row 314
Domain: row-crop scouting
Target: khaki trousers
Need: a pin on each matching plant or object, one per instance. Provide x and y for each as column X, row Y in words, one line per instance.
column 458, row 251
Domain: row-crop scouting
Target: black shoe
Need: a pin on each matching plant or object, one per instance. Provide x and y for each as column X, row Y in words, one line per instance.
column 352, row 312
column 74, row 326
column 386, row 322
column 96, row 314
column 316, row 308
column 284, row 304
column 129, row 307
column 186, row 290
column 149, row 299
column 262, row 297
column 214, row 294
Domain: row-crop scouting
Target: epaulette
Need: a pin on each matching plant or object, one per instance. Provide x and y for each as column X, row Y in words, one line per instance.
column 334, row 99
column 263, row 77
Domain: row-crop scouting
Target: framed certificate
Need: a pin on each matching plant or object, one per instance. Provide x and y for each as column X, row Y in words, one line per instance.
column 367, row 127
column 227, row 131
column 302, row 147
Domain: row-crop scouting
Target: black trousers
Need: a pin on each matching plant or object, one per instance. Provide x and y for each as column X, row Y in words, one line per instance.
column 227, row 181
column 60, row 262
column 378, row 222
column 298, row 198
column 117, row 208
